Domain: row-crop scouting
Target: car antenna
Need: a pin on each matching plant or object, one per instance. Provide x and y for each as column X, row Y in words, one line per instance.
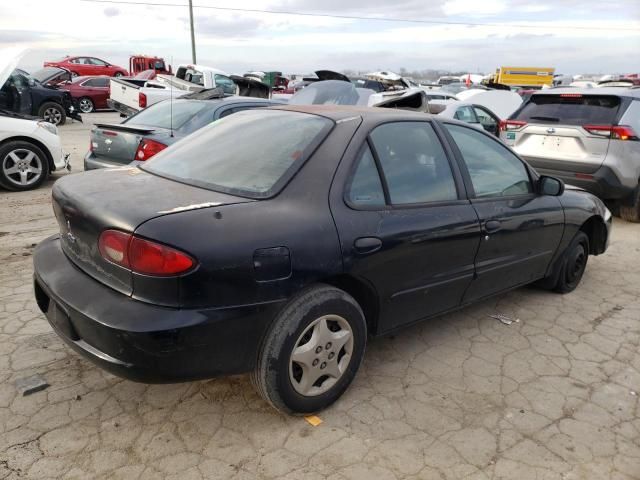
column 171, row 103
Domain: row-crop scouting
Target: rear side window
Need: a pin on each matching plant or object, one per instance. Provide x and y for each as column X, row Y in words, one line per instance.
column 414, row 163
column 366, row 187
column 632, row 116
column 570, row 109
column 251, row 153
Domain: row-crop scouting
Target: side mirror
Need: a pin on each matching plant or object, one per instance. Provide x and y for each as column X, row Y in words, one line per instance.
column 550, row 186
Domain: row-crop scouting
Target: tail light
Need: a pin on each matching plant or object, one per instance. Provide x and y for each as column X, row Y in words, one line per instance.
column 148, row 148
column 143, row 256
column 508, row 125
column 616, row 132
column 142, row 100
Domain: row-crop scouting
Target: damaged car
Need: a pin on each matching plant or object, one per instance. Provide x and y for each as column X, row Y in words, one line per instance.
column 276, row 241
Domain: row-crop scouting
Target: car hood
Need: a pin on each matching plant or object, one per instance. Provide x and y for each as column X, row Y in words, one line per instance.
column 9, row 59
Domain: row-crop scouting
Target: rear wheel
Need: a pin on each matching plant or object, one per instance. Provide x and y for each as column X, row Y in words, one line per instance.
column 85, row 104
column 53, row 113
column 631, row 212
column 117, row 74
column 23, row 166
column 574, row 263
column 312, row 351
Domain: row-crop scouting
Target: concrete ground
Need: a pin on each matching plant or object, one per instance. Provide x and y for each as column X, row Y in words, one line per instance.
column 553, row 396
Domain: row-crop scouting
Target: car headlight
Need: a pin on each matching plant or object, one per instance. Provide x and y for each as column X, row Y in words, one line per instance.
column 50, row 127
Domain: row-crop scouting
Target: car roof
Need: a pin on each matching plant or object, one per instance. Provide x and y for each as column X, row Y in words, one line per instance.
column 617, row 91
column 342, row 112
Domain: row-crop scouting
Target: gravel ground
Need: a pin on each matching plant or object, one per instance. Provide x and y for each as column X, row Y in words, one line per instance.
column 553, row 396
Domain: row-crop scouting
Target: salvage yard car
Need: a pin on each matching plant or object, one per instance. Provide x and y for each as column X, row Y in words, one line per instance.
column 89, row 93
column 79, row 66
column 152, row 130
column 274, row 241
column 586, row 137
column 30, row 149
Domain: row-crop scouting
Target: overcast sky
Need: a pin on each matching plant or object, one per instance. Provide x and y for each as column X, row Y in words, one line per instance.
column 237, row 42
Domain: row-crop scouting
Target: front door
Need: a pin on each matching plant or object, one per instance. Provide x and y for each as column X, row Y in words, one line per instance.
column 404, row 225
column 521, row 229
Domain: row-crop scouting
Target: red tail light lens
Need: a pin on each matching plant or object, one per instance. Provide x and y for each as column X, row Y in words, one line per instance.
column 148, row 148
column 153, row 258
column 617, row 132
column 142, row 100
column 143, row 256
column 507, row 125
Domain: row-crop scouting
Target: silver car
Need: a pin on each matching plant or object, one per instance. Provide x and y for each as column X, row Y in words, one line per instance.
column 586, row 137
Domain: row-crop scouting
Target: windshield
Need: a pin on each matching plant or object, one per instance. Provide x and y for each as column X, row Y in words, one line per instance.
column 159, row 65
column 160, row 114
column 570, row 109
column 251, row 153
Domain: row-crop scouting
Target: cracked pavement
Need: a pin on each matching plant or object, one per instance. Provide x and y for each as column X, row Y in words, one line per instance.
column 463, row 396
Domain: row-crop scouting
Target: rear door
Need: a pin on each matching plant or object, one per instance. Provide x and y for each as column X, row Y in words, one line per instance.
column 556, row 132
column 404, row 224
column 521, row 229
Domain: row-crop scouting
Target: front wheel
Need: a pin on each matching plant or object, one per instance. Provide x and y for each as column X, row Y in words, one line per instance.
column 312, row 351
column 23, row 166
column 574, row 263
column 53, row 113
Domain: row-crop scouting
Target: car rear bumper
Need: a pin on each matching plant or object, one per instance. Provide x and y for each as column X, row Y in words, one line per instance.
column 93, row 162
column 121, row 107
column 141, row 341
column 603, row 182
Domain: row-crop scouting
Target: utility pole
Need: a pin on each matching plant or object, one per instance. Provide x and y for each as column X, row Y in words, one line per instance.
column 193, row 36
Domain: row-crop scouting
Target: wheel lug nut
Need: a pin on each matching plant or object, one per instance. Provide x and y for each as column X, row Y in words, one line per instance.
column 331, row 355
column 323, row 365
column 318, row 349
column 315, row 362
column 328, row 346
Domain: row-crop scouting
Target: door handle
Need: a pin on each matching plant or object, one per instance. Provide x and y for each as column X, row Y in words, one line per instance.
column 366, row 245
column 492, row 226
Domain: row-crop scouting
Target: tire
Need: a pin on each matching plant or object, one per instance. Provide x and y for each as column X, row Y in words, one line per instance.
column 21, row 156
column 574, row 263
column 631, row 213
column 52, row 112
column 323, row 316
column 85, row 105
column 118, row 74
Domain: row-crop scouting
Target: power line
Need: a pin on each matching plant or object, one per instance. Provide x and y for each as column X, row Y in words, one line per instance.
column 355, row 17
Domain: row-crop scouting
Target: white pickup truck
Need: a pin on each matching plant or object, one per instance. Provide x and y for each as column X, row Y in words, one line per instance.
column 130, row 95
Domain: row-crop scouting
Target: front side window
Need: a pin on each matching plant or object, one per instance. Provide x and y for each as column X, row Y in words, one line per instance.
column 366, row 188
column 494, row 170
column 251, row 153
column 414, row 163
column 465, row 114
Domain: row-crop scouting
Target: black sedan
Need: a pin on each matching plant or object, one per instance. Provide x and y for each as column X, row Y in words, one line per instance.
column 153, row 129
column 276, row 240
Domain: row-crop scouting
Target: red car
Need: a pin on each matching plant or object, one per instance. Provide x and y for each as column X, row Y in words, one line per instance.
column 89, row 93
column 79, row 66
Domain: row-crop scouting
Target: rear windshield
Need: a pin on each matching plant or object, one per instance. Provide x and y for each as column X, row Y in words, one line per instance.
column 251, row 153
column 160, row 114
column 570, row 110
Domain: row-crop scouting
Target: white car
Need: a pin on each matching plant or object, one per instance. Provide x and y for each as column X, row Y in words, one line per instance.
column 29, row 151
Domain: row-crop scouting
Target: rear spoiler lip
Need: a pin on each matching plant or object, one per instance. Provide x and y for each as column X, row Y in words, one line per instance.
column 126, row 128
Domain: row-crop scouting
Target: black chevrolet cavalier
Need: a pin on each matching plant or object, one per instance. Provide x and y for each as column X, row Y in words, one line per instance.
column 275, row 241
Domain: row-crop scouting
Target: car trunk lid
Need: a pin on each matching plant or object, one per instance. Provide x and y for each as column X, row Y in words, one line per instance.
column 118, row 143
column 120, row 198
column 556, row 133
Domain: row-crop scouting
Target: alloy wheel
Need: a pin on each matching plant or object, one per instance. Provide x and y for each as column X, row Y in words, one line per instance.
column 22, row 167
column 85, row 105
column 52, row 115
column 321, row 355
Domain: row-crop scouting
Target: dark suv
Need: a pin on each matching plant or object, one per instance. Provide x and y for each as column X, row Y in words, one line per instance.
column 22, row 93
column 586, row 137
